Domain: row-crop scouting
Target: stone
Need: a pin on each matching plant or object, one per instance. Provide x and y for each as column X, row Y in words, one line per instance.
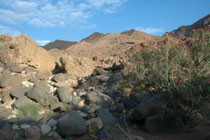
column 4, row 114
column 25, row 126
column 6, row 72
column 100, row 71
column 114, row 78
column 71, row 124
column 104, row 79
column 77, row 66
column 118, row 108
column 45, row 129
column 43, row 85
column 82, row 114
column 22, row 101
column 11, row 80
column 94, row 124
column 165, row 122
column 56, row 136
column 6, row 96
column 91, row 108
column 106, row 117
column 63, row 77
column 75, row 100
column 15, row 126
column 67, row 107
column 31, row 70
column 64, row 94
column 150, row 107
column 18, row 93
column 10, row 64
column 52, row 122
column 32, row 133
column 81, row 104
column 102, row 133
column 16, row 69
column 42, row 97
column 99, row 98
column 56, row 106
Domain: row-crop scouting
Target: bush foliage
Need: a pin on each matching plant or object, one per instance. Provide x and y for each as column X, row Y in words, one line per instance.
column 175, row 69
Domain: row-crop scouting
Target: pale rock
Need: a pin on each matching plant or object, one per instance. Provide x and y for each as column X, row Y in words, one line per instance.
column 26, row 51
column 25, row 126
column 81, row 104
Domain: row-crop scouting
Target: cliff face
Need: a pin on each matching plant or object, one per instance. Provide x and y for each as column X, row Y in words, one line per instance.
column 23, row 50
column 185, row 31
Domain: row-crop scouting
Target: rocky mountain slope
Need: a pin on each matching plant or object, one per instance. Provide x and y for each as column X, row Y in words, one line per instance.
column 59, row 44
column 93, row 37
column 184, row 31
column 110, row 44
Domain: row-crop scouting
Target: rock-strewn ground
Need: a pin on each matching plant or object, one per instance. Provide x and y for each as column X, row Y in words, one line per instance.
column 40, row 106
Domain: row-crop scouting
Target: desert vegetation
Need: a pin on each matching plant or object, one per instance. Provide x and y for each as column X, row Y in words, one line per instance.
column 177, row 70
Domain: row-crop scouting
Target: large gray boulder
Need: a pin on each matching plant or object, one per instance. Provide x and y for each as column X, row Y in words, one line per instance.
column 165, row 122
column 71, row 124
column 64, row 95
column 18, row 93
column 107, row 117
column 100, row 99
column 42, row 97
column 43, row 85
column 11, row 80
column 150, row 107
column 23, row 101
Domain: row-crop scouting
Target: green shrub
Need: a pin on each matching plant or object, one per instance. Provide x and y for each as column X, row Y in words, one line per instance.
column 175, row 69
column 32, row 109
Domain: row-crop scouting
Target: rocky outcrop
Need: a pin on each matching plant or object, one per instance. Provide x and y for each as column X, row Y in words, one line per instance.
column 77, row 66
column 23, row 50
column 185, row 31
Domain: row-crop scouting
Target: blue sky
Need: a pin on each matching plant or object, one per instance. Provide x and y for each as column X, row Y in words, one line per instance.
column 73, row 20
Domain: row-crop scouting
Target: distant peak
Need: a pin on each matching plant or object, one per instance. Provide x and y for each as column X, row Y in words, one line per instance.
column 93, row 37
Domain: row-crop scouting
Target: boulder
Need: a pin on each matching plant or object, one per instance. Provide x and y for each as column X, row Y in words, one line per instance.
column 107, row 117
column 94, row 124
column 18, row 93
column 42, row 97
column 165, row 122
column 32, row 133
column 64, row 95
column 62, row 77
column 23, row 50
column 43, row 85
column 150, row 107
column 77, row 66
column 98, row 98
column 22, row 101
column 71, row 124
column 45, row 129
column 4, row 114
column 11, row 80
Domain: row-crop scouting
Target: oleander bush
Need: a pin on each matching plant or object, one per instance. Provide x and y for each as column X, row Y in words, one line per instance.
column 175, row 69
